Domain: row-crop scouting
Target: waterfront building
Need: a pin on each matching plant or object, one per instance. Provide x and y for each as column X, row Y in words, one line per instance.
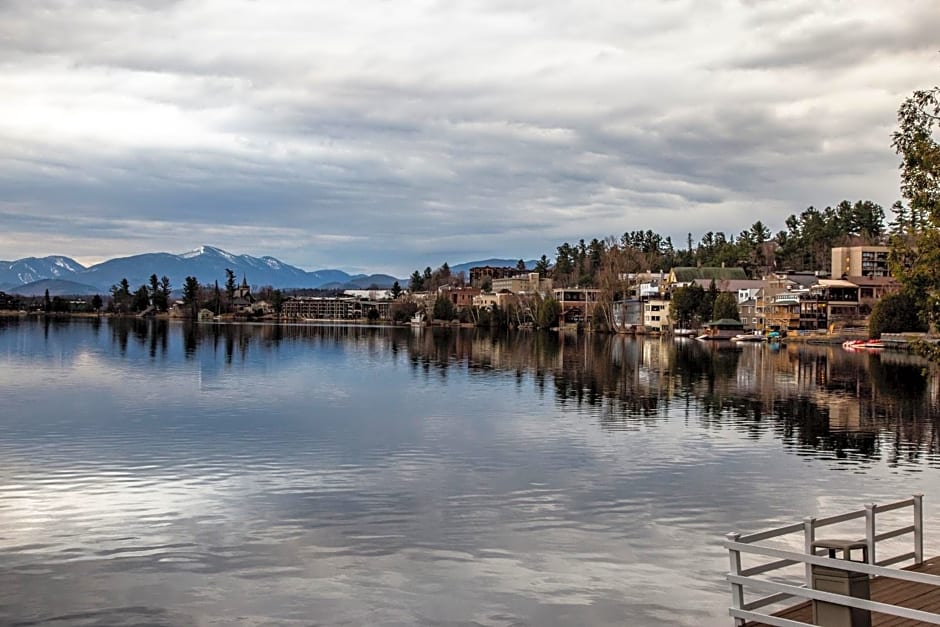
column 841, row 298
column 529, row 283
column 872, row 289
column 242, row 299
column 462, row 297
column 747, row 311
column 333, row 308
column 577, row 303
column 656, row 315
column 860, row 261
column 486, row 300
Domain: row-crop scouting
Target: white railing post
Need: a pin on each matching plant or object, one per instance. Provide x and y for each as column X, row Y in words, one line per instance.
column 809, row 536
column 918, row 528
column 737, row 590
column 870, row 532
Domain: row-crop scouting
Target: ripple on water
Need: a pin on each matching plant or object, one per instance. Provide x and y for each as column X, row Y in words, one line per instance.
column 323, row 476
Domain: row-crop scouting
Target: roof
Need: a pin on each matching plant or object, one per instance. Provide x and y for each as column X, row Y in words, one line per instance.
column 873, row 281
column 803, row 279
column 688, row 274
column 835, row 283
column 725, row 322
column 733, row 285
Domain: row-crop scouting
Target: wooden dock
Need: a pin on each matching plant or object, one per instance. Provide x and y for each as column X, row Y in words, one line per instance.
column 899, row 597
column 916, row 596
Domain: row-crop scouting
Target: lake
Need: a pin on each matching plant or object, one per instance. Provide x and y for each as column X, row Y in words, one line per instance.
column 156, row 473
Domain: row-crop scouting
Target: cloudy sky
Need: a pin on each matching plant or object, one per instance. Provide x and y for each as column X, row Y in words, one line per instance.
column 376, row 135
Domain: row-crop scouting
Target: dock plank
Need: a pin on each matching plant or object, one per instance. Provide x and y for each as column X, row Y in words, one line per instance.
column 915, row 596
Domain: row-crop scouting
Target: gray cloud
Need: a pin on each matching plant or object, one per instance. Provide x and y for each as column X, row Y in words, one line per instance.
column 398, row 136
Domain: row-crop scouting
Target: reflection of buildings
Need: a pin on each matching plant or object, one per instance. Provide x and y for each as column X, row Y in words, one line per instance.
column 815, row 398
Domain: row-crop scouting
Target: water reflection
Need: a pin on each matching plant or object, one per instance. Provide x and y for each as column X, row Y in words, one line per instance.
column 172, row 474
column 809, row 397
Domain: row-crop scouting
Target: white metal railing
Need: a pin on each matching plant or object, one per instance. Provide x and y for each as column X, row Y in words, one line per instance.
column 741, row 578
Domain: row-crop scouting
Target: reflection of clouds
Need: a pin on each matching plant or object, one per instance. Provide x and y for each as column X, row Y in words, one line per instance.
column 323, row 477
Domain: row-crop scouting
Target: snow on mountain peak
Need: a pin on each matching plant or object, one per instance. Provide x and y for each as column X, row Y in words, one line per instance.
column 208, row 250
column 194, row 253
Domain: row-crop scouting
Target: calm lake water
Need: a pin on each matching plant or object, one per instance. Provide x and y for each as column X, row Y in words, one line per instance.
column 162, row 474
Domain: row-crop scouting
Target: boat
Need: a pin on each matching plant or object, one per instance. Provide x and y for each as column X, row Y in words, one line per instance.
column 724, row 329
column 419, row 320
column 749, row 337
column 684, row 333
column 853, row 345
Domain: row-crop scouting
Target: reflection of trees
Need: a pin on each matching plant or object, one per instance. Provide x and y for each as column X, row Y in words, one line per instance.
column 814, row 399
column 820, row 399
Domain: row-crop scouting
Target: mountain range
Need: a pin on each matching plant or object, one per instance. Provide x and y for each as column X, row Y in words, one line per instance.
column 64, row 276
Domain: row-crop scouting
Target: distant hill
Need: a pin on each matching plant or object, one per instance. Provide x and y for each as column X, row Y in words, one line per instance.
column 56, row 287
column 206, row 263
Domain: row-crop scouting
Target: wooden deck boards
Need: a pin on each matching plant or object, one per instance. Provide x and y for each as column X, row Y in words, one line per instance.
column 916, row 596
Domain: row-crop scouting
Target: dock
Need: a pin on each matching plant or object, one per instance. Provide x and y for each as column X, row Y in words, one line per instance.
column 916, row 596
column 874, row 587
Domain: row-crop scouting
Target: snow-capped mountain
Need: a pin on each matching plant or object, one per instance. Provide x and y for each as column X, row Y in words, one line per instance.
column 30, row 269
column 206, row 263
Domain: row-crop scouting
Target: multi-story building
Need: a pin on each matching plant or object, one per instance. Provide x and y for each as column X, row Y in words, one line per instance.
column 861, row 261
column 499, row 299
column 529, row 283
column 577, row 303
column 841, row 298
column 747, row 312
column 656, row 315
column 333, row 308
column 481, row 273
column 781, row 311
column 462, row 297
column 318, row 307
column 872, row 289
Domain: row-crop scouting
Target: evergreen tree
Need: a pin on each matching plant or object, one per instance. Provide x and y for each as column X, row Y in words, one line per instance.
column 417, row 282
column 121, row 296
column 726, row 306
column 547, row 313
column 894, row 313
column 542, row 266
column 444, row 308
column 277, row 301
column 685, row 308
column 229, row 285
column 141, row 299
column 191, row 294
